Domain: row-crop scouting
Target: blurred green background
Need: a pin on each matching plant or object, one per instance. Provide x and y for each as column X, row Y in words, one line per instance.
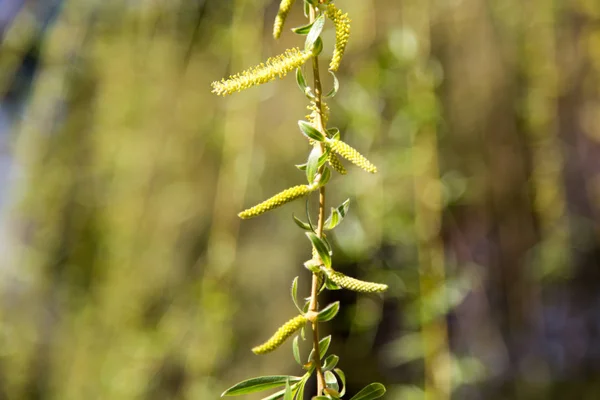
column 126, row 274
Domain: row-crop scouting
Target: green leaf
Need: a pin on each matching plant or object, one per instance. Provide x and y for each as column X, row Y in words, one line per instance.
column 301, row 224
column 321, row 398
column 325, row 176
column 296, row 350
column 323, row 347
column 315, row 31
column 369, row 392
column 300, row 80
column 322, row 248
column 334, row 133
column 336, row 86
column 300, row 392
column 259, row 384
column 309, row 131
column 329, row 312
column 294, row 292
column 301, row 167
column 331, row 381
column 307, row 212
column 312, row 165
column 342, row 376
column 330, row 362
column 337, row 215
column 288, row 391
column 303, row 30
column 306, row 8
column 318, row 47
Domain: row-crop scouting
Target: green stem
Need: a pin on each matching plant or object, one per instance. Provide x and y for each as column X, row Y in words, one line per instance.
column 314, row 306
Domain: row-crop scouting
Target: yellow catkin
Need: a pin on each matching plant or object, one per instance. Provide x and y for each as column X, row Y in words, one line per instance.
column 350, row 154
column 356, row 285
column 275, row 67
column 284, row 332
column 336, row 164
column 342, row 34
column 279, row 199
column 284, row 9
column 312, row 117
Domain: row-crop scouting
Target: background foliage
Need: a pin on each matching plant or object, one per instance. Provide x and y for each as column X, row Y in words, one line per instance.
column 125, row 273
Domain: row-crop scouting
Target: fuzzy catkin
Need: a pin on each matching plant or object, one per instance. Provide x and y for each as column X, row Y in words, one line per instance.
column 275, row 67
column 336, row 164
column 350, row 154
column 341, row 22
column 350, row 283
column 284, row 8
column 279, row 199
column 280, row 336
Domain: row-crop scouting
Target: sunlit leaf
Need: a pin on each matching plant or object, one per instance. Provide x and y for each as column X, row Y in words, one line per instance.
column 336, row 86
column 331, row 381
column 302, row 30
column 330, row 362
column 288, row 391
column 315, row 31
column 337, row 215
column 369, row 392
column 323, row 347
column 259, row 384
column 294, row 293
column 310, row 132
column 301, row 223
column 329, row 312
column 296, row 350
column 342, row 376
column 321, row 247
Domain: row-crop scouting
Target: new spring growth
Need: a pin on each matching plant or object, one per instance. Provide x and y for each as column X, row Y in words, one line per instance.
column 325, row 147
column 278, row 200
column 342, row 34
column 275, row 67
column 284, row 8
column 284, row 332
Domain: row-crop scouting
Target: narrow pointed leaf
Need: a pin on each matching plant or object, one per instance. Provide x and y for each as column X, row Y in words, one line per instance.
column 342, row 376
column 302, row 30
column 300, row 392
column 329, row 312
column 331, row 381
column 301, row 223
column 337, row 215
column 336, row 86
column 317, row 47
column 315, row 31
column 294, row 293
column 296, row 350
column 288, row 391
column 259, row 384
column 300, row 80
column 325, row 176
column 321, row 247
column 323, row 347
column 312, row 165
column 369, row 392
column 330, row 362
column 309, row 131
column 301, row 167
